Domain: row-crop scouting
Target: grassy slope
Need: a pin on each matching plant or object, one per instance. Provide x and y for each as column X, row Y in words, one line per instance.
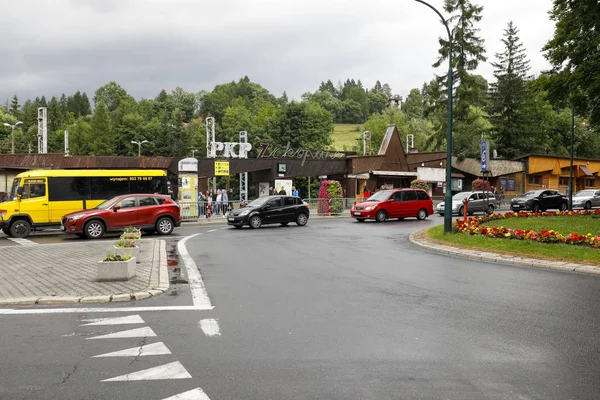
column 559, row 251
column 344, row 137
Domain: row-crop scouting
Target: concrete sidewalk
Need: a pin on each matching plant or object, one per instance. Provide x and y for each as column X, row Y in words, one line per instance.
column 66, row 274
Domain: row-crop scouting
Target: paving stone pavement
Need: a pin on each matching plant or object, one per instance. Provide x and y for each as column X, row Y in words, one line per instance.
column 420, row 238
column 66, row 273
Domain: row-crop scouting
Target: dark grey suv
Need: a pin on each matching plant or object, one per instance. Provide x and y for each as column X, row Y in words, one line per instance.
column 270, row 210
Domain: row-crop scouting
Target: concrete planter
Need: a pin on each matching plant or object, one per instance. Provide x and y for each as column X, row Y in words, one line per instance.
column 116, row 270
column 134, row 251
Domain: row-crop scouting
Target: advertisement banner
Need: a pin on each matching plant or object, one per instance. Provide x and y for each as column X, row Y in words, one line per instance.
column 188, row 194
column 285, row 184
column 485, row 145
column 221, row 168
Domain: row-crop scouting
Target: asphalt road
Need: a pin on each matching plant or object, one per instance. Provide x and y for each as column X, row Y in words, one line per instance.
column 334, row 310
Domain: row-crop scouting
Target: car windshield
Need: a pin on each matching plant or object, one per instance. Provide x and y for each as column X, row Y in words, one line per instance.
column 379, row 196
column 106, row 203
column 258, row 202
column 585, row 193
column 13, row 190
column 533, row 193
column 460, row 196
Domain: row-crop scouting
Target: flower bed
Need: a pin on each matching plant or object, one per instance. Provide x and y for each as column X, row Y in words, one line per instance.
column 474, row 226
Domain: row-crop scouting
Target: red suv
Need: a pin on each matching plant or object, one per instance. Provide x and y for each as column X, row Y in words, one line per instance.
column 150, row 212
column 396, row 203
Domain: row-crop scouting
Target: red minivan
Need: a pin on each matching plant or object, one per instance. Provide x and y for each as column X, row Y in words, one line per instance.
column 395, row 203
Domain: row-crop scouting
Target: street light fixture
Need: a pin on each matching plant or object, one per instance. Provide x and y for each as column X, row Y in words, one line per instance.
column 12, row 135
column 448, row 197
column 139, row 146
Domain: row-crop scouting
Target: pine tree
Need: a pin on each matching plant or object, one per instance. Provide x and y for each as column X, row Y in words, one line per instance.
column 467, row 52
column 85, row 108
column 508, row 96
column 102, row 140
column 15, row 109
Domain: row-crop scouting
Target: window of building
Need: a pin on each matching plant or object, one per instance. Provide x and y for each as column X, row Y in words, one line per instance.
column 563, row 181
column 590, row 182
column 535, row 179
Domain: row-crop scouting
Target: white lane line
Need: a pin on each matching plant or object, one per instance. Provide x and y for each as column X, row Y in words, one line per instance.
column 172, row 370
column 132, row 333
column 23, row 242
column 225, row 228
column 154, row 349
column 194, row 394
column 130, row 319
column 210, row 327
column 83, row 310
column 212, row 230
column 199, row 295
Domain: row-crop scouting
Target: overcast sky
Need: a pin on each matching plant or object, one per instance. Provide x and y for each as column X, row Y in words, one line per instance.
column 51, row 47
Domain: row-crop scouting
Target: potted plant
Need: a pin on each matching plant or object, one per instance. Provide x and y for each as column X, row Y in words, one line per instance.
column 127, row 246
column 116, row 267
column 131, row 233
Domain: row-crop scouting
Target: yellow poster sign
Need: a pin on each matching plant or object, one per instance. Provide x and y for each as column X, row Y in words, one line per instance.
column 221, row 168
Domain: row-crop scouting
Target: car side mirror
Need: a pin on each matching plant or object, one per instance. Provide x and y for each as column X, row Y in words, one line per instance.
column 116, row 208
column 390, row 200
column 20, row 190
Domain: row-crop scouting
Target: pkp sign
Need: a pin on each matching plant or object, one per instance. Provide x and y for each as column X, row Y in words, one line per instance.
column 485, row 145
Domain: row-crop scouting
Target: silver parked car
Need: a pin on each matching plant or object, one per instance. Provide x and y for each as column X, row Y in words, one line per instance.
column 586, row 199
column 478, row 202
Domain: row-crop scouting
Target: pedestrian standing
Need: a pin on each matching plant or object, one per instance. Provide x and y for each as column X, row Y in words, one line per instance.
column 295, row 191
column 209, row 200
column 218, row 202
column 224, row 202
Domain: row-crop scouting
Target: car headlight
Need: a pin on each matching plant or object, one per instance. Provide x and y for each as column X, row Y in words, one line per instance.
column 369, row 208
column 75, row 217
column 2, row 213
column 244, row 213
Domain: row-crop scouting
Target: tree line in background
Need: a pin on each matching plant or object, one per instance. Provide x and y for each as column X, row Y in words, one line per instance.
column 516, row 112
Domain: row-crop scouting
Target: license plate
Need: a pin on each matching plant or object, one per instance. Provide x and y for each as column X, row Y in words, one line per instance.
column 230, row 219
column 62, row 227
column 516, row 206
column 357, row 213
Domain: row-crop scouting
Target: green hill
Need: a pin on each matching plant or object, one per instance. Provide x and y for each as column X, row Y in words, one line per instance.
column 345, row 137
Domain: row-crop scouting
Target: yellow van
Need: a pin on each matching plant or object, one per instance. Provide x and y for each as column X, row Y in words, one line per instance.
column 39, row 198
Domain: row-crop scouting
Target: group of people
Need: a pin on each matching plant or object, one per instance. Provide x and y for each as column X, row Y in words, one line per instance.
column 282, row 191
column 215, row 203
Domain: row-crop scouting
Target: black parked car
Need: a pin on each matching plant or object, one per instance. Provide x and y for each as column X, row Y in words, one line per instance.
column 540, row 200
column 270, row 210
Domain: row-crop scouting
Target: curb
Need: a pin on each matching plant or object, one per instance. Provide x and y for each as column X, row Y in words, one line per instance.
column 223, row 221
column 159, row 284
column 419, row 239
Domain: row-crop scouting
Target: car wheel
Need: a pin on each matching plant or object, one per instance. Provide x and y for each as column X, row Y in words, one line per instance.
column 381, row 216
column 535, row 208
column 164, row 226
column 441, row 214
column 422, row 214
column 284, row 223
column 360, row 219
column 564, row 206
column 461, row 211
column 20, row 228
column 301, row 219
column 490, row 209
column 93, row 229
column 255, row 222
column 588, row 205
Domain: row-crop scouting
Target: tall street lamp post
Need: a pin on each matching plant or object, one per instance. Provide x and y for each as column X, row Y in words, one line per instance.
column 448, row 197
column 571, row 165
column 12, row 135
column 139, row 146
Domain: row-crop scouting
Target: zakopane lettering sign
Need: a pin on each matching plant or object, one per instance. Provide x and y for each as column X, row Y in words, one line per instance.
column 227, row 149
column 266, row 151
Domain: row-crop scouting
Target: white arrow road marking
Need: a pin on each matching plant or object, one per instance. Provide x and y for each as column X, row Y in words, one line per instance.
column 154, row 349
column 212, row 230
column 132, row 333
column 130, row 319
column 210, row 327
column 195, row 394
column 172, row 370
column 199, row 295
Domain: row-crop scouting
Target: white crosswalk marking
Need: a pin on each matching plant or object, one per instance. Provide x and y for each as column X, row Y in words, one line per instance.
column 23, row 242
column 210, row 327
column 132, row 333
column 154, row 349
column 130, row 319
column 195, row 394
column 172, row 370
